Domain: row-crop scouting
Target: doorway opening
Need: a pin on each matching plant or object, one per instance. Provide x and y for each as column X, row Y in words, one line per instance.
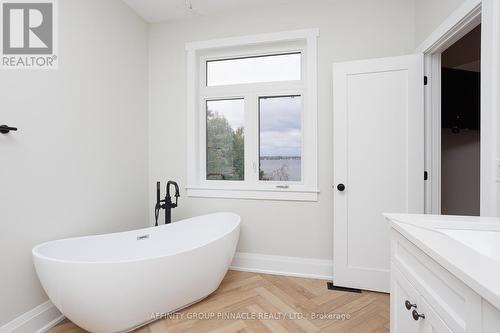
column 477, row 18
column 460, row 126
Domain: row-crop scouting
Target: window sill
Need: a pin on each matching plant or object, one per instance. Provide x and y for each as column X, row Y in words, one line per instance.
column 254, row 194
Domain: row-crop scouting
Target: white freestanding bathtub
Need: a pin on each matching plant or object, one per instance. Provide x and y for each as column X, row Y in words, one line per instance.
column 118, row 282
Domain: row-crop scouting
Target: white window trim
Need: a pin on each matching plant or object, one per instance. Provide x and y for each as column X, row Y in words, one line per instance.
column 197, row 186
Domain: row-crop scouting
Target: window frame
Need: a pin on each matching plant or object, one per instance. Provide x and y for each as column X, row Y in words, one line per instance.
column 198, row 54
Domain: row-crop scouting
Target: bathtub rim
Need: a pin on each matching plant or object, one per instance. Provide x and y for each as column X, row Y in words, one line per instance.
column 36, row 254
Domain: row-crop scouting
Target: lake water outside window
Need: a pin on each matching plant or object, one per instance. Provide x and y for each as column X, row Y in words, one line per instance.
column 225, row 139
column 280, row 138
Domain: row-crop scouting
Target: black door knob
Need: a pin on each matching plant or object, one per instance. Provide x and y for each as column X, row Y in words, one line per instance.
column 340, row 187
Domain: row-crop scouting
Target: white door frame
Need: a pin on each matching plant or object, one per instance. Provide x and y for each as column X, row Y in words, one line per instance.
column 457, row 25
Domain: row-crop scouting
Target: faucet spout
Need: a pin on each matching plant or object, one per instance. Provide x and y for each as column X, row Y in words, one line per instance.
column 177, row 195
column 168, row 201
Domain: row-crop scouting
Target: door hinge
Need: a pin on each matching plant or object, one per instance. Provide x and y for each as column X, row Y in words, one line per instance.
column 426, row 175
column 425, row 80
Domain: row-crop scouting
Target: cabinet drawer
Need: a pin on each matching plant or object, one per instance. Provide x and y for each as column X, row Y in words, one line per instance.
column 450, row 298
column 403, row 291
column 432, row 322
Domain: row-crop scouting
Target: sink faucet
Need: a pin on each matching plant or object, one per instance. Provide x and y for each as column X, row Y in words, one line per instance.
column 166, row 203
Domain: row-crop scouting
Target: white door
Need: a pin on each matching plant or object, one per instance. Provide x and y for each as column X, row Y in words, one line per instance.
column 378, row 162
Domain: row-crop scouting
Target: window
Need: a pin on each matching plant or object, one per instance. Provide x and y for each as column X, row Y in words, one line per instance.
column 252, row 117
column 280, row 138
column 269, row 68
column 225, row 140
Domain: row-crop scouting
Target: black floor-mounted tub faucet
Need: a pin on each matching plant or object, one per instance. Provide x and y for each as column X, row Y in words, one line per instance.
column 166, row 203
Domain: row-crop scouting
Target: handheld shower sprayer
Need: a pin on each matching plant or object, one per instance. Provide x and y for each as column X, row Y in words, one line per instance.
column 158, row 203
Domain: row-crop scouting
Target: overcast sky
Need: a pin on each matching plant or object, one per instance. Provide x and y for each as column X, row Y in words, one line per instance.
column 283, row 67
column 280, row 123
column 231, row 109
column 280, row 126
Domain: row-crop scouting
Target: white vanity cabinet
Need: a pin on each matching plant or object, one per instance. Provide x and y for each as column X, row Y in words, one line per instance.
column 425, row 297
column 432, row 323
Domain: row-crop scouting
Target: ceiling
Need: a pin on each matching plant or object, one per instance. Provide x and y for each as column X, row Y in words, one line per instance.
column 165, row 10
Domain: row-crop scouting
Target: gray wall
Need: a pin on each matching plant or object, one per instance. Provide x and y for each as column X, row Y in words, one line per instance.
column 429, row 14
column 460, row 170
column 78, row 165
column 348, row 30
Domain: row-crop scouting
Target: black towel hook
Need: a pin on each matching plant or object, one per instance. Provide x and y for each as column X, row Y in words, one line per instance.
column 4, row 129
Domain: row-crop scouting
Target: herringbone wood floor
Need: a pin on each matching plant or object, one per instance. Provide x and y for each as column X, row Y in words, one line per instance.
column 241, row 294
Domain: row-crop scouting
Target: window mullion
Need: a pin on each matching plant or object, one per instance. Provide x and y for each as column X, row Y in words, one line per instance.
column 251, row 140
column 202, row 140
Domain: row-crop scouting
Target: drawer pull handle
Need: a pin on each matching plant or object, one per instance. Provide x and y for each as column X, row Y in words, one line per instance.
column 417, row 315
column 409, row 306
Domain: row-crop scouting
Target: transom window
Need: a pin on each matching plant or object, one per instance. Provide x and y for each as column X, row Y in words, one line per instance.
column 252, row 117
column 264, row 68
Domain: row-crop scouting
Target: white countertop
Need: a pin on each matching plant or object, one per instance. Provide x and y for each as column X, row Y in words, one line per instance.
column 468, row 247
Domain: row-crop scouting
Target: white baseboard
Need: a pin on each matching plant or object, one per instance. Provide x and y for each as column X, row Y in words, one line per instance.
column 279, row 265
column 38, row 320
